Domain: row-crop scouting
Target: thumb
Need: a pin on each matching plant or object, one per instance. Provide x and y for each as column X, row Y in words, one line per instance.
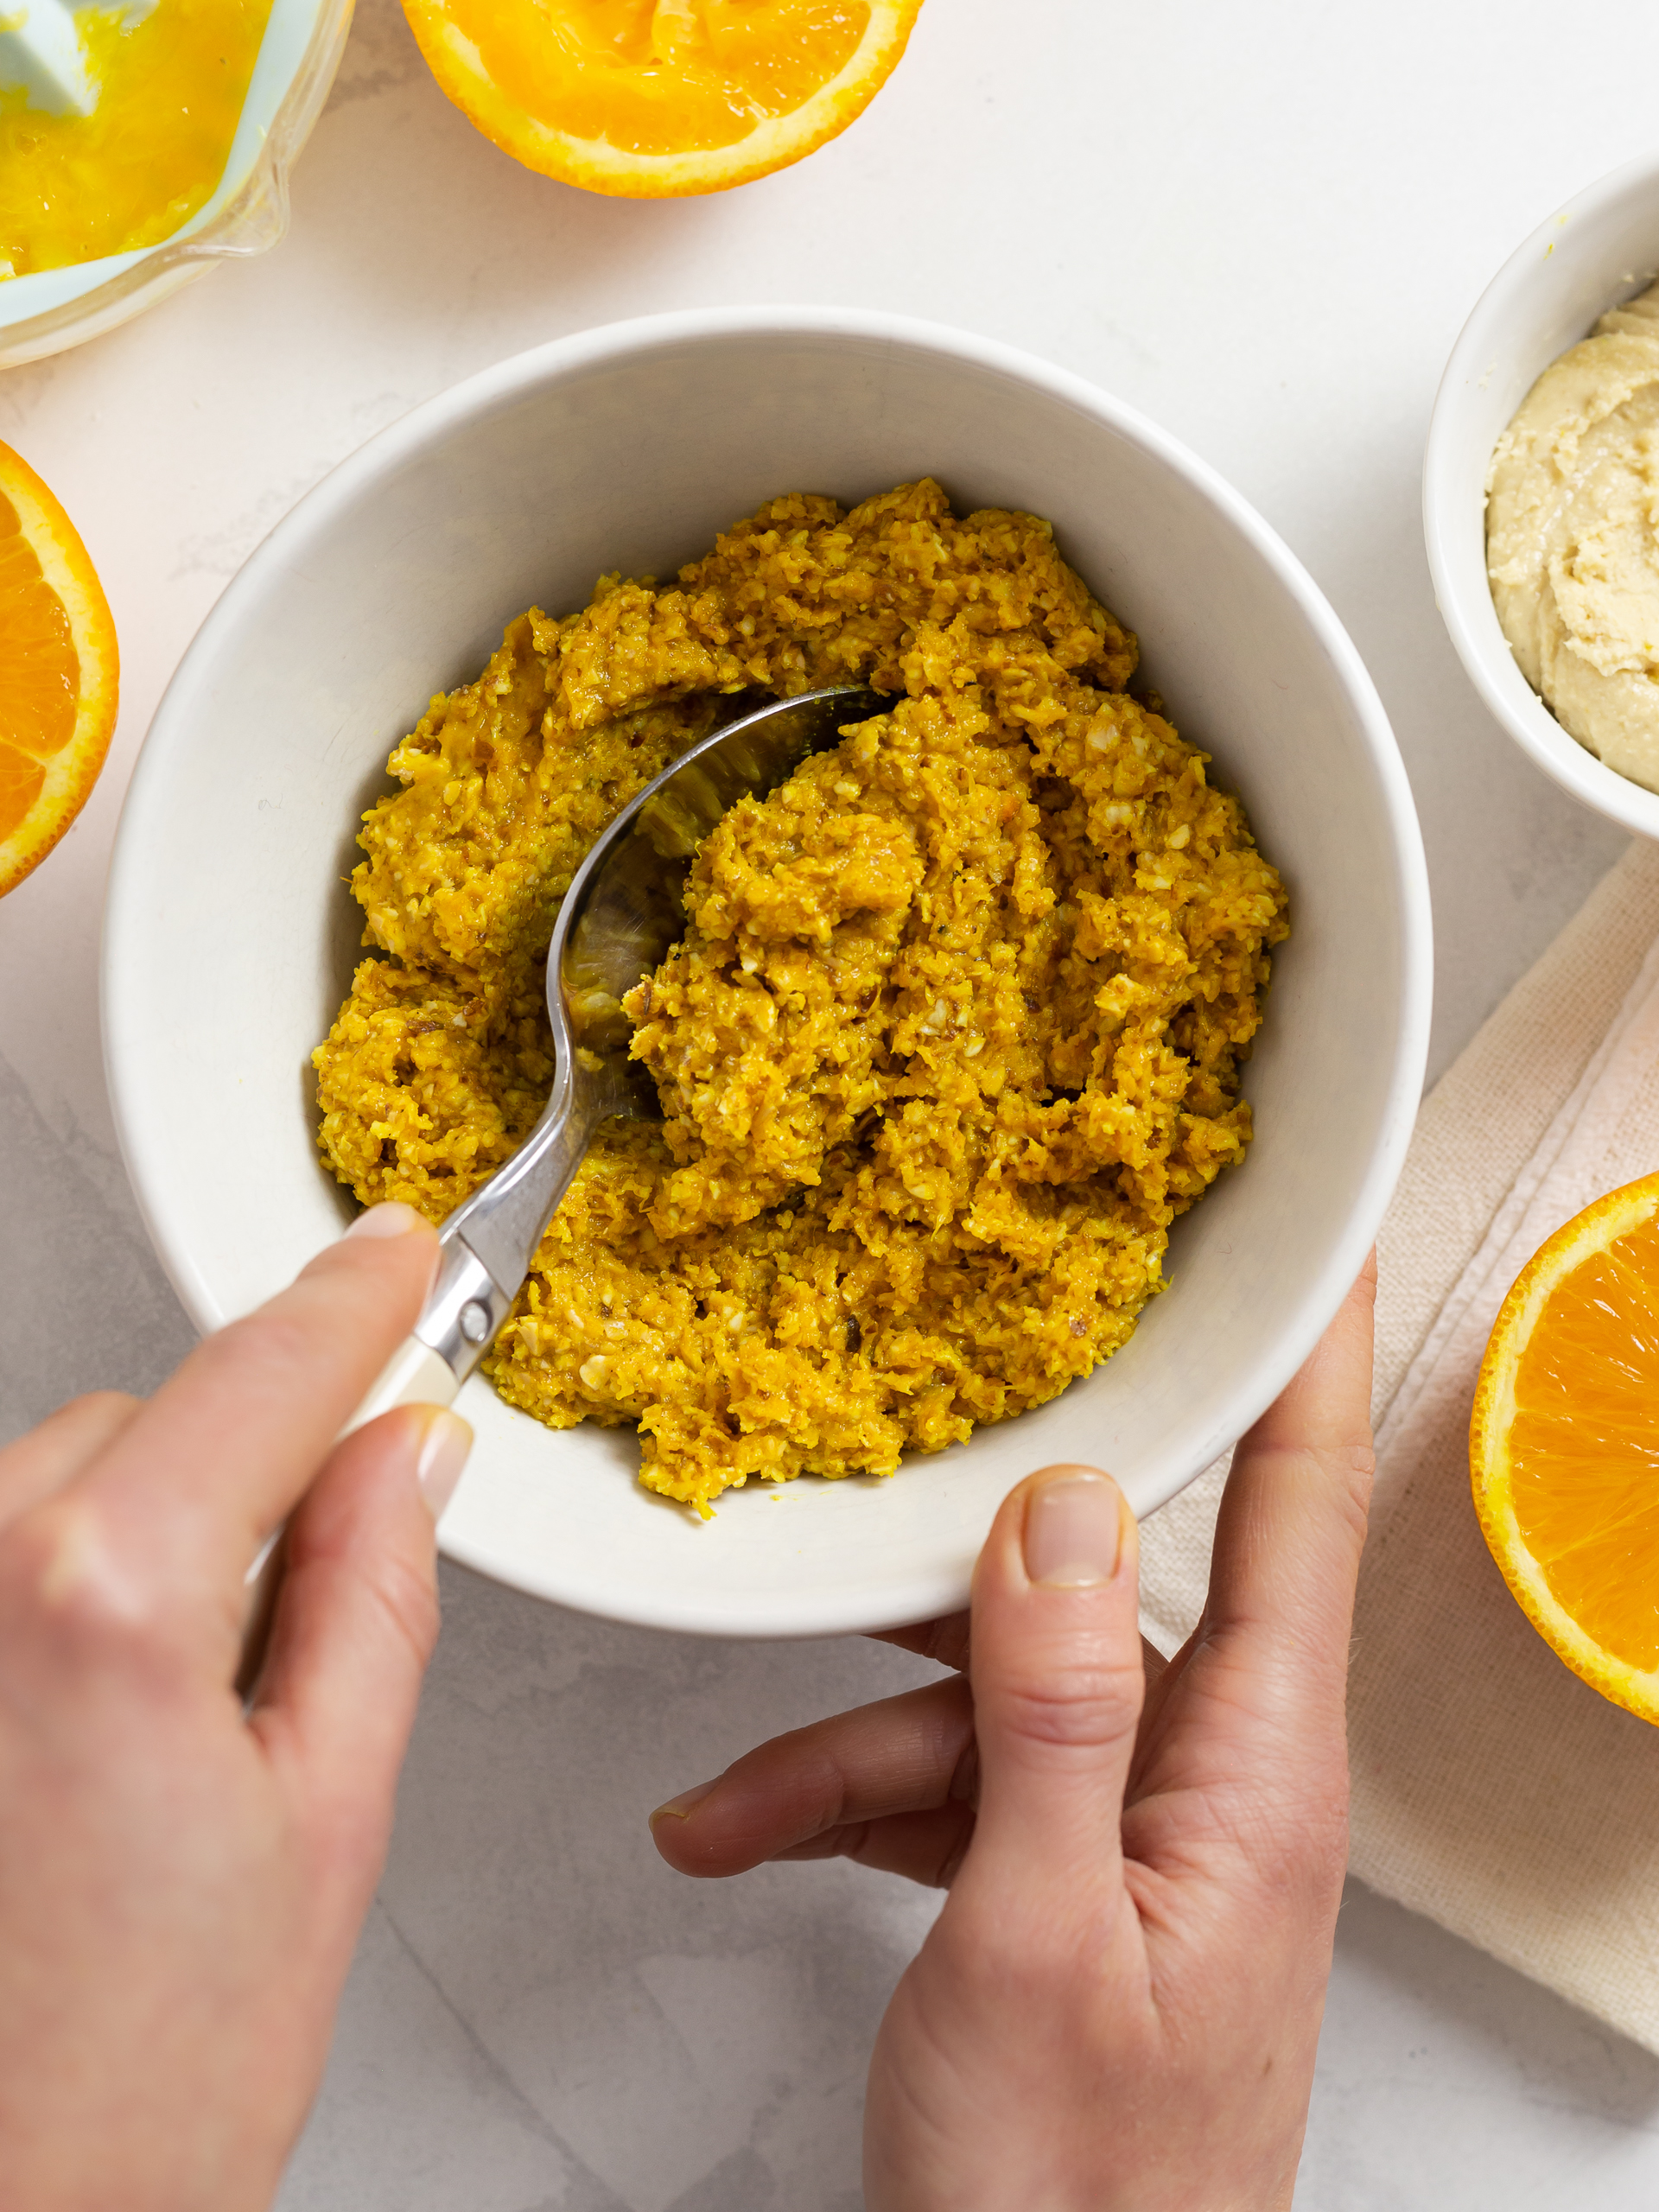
column 1057, row 1675
column 356, row 1621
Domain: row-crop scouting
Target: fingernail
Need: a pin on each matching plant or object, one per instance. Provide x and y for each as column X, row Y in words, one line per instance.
column 681, row 1808
column 443, row 1453
column 1074, row 1530
column 393, row 1219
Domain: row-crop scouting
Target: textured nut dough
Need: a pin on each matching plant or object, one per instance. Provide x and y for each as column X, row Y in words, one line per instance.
column 1573, row 539
column 953, row 1035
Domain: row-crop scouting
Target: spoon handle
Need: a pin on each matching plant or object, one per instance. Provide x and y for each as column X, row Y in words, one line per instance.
column 465, row 1308
column 486, row 1248
column 414, row 1376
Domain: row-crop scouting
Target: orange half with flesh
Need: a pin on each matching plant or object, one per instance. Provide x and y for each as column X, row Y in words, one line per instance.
column 1564, row 1444
column 655, row 99
column 58, row 672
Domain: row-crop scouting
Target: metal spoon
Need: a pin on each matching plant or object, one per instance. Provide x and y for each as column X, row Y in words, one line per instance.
column 619, row 921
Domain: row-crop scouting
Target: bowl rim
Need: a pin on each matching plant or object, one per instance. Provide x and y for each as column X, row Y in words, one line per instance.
column 439, row 417
column 1465, row 600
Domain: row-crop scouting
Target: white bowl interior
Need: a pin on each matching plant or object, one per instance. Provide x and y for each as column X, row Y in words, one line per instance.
column 230, row 936
column 1599, row 249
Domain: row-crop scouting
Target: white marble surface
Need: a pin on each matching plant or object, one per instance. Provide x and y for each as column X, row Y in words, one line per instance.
column 1264, row 226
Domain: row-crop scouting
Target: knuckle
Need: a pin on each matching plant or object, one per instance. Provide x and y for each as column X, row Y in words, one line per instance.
column 1294, row 1847
column 64, row 1572
column 1078, row 1708
column 69, row 1438
column 408, row 1602
column 945, row 1710
column 1354, row 1465
column 100, row 1405
column 271, row 1339
column 821, row 1784
column 1337, row 1476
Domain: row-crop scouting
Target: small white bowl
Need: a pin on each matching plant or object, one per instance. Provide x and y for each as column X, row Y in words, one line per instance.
column 1601, row 248
column 230, row 936
column 247, row 213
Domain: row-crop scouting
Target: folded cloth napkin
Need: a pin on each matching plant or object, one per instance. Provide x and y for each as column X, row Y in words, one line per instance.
column 1492, row 1790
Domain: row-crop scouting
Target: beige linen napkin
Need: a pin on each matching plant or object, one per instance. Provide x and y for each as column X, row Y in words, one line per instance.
column 1492, row 1790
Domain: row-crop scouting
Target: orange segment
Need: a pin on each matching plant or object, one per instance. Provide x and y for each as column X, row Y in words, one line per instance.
column 650, row 98
column 20, row 782
column 42, row 693
column 58, row 672
column 1564, row 1444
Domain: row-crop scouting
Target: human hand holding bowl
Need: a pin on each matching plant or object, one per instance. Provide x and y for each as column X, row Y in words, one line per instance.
column 1118, row 2007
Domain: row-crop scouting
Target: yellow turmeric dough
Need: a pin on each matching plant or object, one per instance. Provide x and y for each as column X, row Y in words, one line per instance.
column 953, row 1035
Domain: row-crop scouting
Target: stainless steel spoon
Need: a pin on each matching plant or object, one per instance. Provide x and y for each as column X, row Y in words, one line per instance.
column 617, row 922
column 620, row 919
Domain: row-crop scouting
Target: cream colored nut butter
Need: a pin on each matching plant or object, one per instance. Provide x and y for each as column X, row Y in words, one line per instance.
column 1573, row 538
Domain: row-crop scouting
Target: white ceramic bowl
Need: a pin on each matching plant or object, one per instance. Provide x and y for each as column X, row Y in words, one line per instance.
column 247, row 213
column 230, row 936
column 1600, row 248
